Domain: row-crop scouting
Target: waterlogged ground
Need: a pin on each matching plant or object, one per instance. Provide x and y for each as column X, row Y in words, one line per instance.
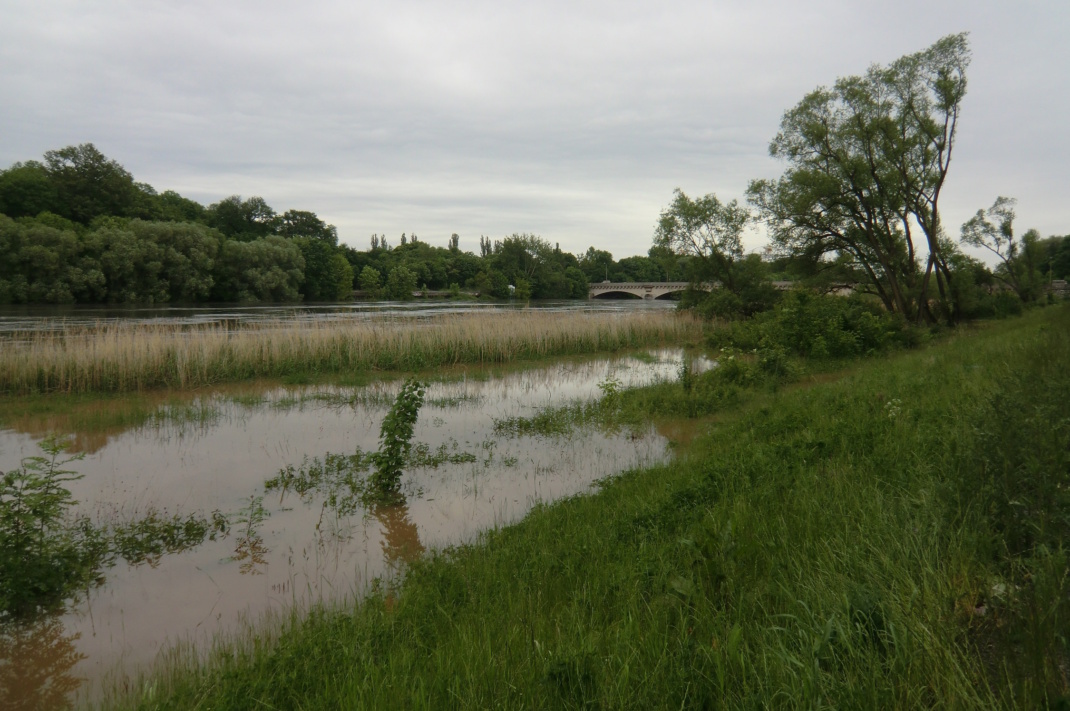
column 214, row 451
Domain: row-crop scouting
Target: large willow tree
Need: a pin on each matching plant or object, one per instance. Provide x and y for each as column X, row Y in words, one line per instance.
column 867, row 160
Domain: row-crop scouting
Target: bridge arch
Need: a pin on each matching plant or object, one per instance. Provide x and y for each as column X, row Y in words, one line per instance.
column 643, row 290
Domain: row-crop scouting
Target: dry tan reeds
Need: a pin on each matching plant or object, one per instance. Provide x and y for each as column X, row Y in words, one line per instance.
column 118, row 358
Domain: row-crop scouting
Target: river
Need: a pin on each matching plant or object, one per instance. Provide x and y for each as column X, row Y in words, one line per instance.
column 16, row 321
column 215, row 449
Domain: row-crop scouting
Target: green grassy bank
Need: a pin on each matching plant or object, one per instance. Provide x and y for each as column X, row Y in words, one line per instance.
column 891, row 539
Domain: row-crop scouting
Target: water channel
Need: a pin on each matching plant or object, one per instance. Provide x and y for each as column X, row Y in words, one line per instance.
column 17, row 321
column 214, row 450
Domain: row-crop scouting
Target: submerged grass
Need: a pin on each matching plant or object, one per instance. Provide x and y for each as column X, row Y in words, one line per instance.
column 91, row 420
column 117, row 358
column 894, row 539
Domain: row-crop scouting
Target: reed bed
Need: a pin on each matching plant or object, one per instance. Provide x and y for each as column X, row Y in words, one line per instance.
column 121, row 358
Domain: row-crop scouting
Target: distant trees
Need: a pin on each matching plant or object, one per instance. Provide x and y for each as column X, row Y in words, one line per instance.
column 26, row 189
column 596, row 263
column 301, row 223
column 370, row 281
column 708, row 234
column 546, row 271
column 640, row 268
column 42, row 264
column 88, row 185
column 243, row 220
column 710, row 231
column 400, row 284
column 86, row 231
column 269, row 269
column 137, row 261
column 1020, row 258
column 1056, row 257
column 328, row 276
column 77, row 228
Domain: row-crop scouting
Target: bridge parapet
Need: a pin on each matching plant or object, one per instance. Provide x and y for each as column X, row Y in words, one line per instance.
column 644, row 289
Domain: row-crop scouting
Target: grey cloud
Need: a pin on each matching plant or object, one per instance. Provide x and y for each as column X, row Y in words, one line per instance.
column 574, row 120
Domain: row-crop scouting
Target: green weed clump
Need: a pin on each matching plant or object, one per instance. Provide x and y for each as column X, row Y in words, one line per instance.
column 338, row 477
column 893, row 539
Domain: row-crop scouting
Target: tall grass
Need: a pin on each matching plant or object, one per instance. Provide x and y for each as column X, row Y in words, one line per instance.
column 118, row 358
column 858, row 544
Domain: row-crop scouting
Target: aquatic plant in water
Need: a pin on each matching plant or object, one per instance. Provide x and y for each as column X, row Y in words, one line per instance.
column 395, row 441
column 41, row 557
column 46, row 555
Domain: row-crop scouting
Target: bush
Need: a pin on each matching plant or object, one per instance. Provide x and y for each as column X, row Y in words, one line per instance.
column 41, row 558
column 46, row 556
column 814, row 326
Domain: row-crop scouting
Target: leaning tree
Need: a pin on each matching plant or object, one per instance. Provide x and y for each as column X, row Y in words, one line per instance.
column 867, row 160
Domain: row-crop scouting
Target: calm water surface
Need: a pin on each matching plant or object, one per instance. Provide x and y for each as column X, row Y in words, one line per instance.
column 217, row 456
column 18, row 320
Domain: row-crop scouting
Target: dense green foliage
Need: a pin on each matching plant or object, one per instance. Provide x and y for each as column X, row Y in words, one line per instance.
column 818, row 326
column 895, row 539
column 867, row 159
column 78, row 228
column 42, row 558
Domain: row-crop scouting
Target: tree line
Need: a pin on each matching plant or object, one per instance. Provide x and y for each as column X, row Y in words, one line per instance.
column 867, row 160
column 77, row 228
column 858, row 204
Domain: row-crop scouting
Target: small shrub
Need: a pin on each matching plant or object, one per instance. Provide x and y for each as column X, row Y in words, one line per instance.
column 815, row 326
column 733, row 368
column 41, row 558
column 46, row 556
column 686, row 374
column 774, row 360
column 395, row 441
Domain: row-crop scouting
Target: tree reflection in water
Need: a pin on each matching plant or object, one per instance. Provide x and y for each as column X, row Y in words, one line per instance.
column 251, row 552
column 249, row 549
column 36, row 660
column 401, row 538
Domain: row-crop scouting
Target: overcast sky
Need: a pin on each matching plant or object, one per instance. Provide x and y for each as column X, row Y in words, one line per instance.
column 570, row 120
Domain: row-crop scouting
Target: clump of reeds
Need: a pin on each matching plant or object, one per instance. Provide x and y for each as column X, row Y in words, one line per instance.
column 118, row 358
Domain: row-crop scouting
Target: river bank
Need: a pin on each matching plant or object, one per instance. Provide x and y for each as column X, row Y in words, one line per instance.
column 891, row 539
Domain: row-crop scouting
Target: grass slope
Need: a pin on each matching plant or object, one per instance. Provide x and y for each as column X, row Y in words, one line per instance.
column 889, row 540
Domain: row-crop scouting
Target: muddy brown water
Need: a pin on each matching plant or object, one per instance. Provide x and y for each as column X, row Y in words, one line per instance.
column 303, row 551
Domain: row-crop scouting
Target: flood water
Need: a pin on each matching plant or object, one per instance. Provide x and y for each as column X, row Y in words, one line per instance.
column 20, row 320
column 214, row 451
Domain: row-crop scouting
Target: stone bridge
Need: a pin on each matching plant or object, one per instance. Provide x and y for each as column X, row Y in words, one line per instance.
column 642, row 289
